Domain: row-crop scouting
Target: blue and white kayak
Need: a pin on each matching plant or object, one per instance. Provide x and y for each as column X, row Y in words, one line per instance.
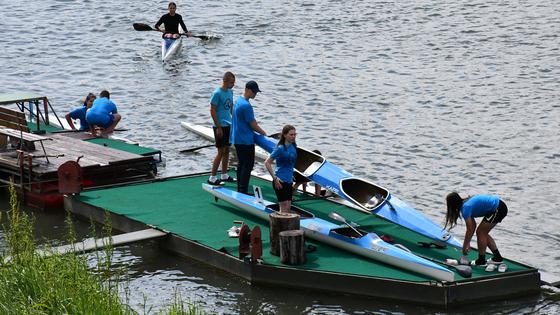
column 170, row 47
column 362, row 194
column 365, row 244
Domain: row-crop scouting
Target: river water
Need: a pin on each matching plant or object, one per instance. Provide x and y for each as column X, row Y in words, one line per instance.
column 423, row 97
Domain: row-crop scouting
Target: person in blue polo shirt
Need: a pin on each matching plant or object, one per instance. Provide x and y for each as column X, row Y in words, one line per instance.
column 285, row 155
column 243, row 126
column 80, row 114
column 221, row 103
column 103, row 113
column 490, row 208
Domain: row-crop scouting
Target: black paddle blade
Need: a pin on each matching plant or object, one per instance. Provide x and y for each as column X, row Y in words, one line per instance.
column 142, row 27
column 196, row 148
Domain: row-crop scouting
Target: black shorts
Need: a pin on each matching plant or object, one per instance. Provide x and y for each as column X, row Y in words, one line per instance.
column 284, row 193
column 224, row 139
column 499, row 215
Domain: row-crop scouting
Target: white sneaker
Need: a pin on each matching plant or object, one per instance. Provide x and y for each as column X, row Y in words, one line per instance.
column 502, row 268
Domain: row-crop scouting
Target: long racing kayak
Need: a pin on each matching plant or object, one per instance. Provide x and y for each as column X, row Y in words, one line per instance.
column 208, row 134
column 362, row 194
column 170, row 47
column 359, row 242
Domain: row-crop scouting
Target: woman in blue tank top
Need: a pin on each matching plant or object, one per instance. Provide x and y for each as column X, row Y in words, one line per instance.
column 488, row 207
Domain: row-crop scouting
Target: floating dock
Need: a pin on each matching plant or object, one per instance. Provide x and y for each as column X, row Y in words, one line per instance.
column 32, row 150
column 196, row 227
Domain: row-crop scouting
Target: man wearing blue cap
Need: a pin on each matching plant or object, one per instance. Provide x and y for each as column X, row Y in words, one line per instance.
column 243, row 125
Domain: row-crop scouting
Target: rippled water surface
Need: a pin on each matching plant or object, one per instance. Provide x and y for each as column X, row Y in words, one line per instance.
column 422, row 97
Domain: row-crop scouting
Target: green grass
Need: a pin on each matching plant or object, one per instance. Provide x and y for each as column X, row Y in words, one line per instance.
column 62, row 284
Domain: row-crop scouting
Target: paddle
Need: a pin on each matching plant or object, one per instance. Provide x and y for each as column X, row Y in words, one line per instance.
column 197, row 148
column 338, row 217
column 78, row 130
column 145, row 27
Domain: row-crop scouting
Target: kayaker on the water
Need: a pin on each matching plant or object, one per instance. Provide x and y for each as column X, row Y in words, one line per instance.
column 80, row 113
column 285, row 155
column 243, row 125
column 171, row 22
column 221, row 104
column 491, row 208
column 103, row 114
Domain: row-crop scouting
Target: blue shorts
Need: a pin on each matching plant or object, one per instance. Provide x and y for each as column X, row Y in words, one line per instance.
column 103, row 120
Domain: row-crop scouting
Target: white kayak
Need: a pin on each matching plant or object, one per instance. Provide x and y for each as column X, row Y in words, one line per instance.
column 170, row 47
column 208, row 134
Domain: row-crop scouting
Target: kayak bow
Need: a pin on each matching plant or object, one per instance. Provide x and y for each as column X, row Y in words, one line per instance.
column 170, row 47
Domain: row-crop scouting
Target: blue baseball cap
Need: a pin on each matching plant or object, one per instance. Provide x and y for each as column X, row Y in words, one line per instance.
column 253, row 86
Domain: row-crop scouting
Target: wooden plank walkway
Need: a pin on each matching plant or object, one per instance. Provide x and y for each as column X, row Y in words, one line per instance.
column 93, row 244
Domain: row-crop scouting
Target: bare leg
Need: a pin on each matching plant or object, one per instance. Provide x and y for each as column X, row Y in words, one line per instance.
column 491, row 243
column 216, row 161
column 285, row 206
column 483, row 238
column 225, row 159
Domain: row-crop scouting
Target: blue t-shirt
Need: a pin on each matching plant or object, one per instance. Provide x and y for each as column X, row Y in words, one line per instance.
column 101, row 112
column 479, row 206
column 222, row 100
column 241, row 131
column 285, row 157
column 80, row 113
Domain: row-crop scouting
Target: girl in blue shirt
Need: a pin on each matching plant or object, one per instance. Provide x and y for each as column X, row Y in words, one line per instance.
column 488, row 207
column 285, row 155
column 80, row 113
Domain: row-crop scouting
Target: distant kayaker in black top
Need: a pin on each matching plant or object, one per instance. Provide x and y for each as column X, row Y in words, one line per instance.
column 171, row 22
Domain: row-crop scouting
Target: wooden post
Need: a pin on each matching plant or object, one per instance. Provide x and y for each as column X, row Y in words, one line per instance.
column 292, row 247
column 281, row 222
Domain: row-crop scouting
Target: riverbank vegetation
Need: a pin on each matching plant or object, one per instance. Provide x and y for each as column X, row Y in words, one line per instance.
column 36, row 281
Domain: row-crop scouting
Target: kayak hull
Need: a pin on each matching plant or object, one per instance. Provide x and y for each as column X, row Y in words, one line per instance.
column 208, row 134
column 170, row 47
column 365, row 244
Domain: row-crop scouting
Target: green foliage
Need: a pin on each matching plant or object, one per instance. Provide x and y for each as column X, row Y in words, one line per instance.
column 44, row 282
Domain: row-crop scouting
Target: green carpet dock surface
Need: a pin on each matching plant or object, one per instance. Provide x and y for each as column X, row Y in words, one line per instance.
column 181, row 207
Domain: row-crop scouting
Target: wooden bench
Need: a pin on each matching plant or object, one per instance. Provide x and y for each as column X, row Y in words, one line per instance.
column 25, row 140
column 13, row 119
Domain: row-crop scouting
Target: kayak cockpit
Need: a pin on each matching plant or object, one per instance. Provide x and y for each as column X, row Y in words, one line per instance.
column 304, row 214
column 367, row 195
column 308, row 162
column 349, row 232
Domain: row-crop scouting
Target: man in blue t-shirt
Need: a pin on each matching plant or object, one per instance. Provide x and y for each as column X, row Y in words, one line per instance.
column 221, row 103
column 103, row 114
column 243, row 126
